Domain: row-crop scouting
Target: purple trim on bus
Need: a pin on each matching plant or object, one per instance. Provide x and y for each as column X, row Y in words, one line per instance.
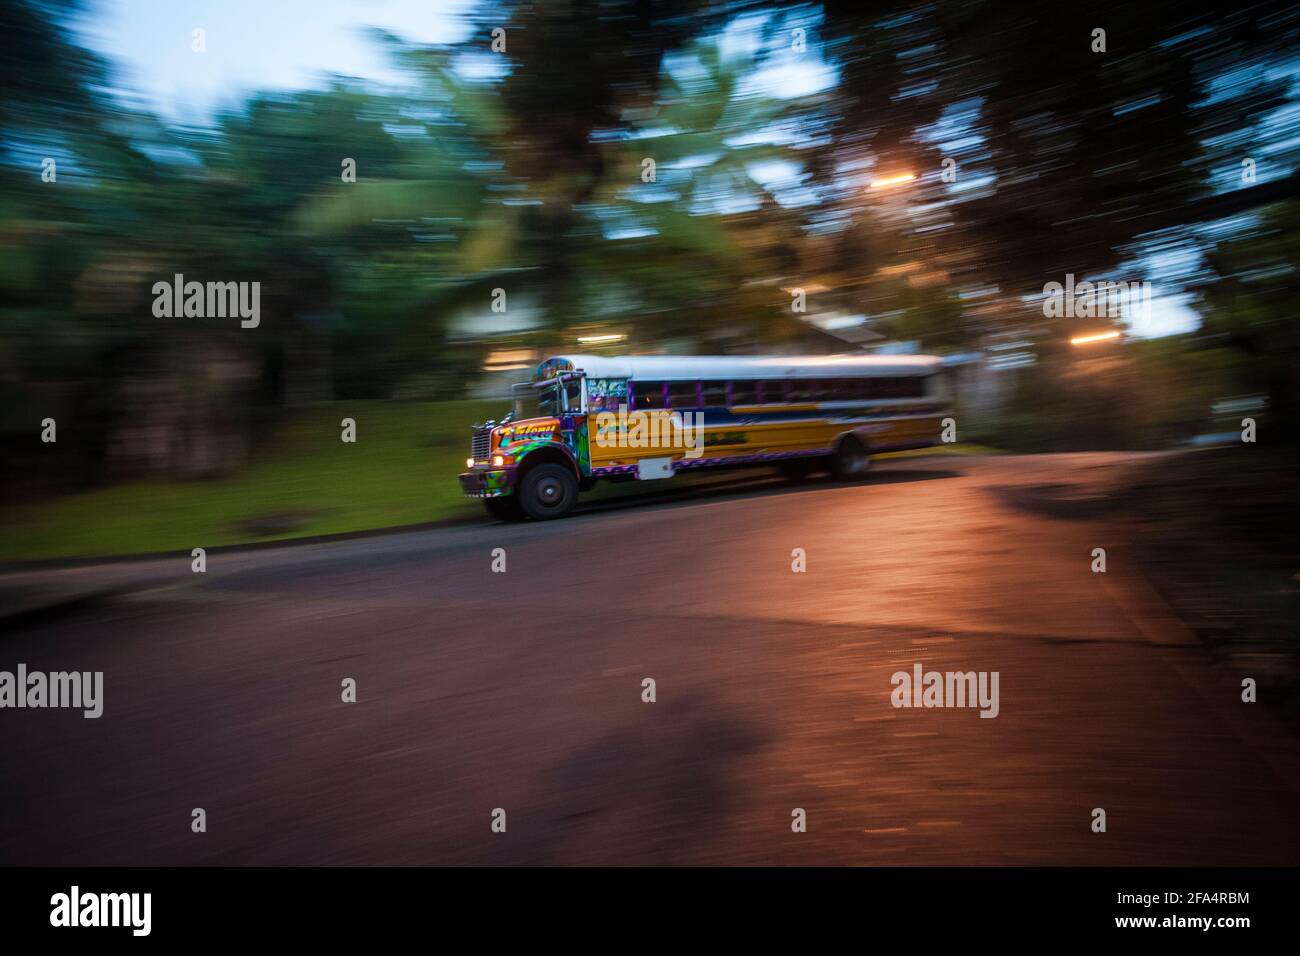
column 693, row 464
column 690, row 464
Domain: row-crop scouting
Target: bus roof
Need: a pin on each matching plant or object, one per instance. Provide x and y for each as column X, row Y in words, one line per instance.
column 668, row 368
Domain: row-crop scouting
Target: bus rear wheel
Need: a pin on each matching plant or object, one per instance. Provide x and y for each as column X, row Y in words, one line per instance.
column 851, row 461
column 505, row 508
column 548, row 491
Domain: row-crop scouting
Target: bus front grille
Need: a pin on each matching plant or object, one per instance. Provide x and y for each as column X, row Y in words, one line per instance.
column 481, row 444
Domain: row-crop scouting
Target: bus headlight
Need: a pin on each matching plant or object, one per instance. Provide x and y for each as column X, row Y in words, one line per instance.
column 498, row 461
column 469, row 462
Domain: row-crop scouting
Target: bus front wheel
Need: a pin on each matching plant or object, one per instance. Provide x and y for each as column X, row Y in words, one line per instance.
column 548, row 491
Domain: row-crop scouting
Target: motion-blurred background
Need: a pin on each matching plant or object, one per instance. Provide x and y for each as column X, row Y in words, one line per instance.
column 685, row 177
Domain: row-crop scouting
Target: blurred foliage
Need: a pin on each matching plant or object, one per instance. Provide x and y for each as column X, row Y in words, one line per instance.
column 530, row 179
column 1147, row 396
column 1250, row 310
column 1084, row 150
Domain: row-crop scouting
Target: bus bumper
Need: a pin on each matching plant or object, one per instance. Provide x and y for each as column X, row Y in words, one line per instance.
column 487, row 484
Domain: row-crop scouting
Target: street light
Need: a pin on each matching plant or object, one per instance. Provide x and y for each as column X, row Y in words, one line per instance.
column 888, row 181
column 1096, row 337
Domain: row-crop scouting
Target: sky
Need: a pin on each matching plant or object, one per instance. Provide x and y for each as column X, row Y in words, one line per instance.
column 255, row 45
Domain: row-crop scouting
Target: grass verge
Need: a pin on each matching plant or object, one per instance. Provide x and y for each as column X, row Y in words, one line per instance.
column 302, row 481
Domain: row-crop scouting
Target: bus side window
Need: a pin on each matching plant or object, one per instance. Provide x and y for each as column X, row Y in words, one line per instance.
column 648, row 394
column 744, row 393
column 715, row 394
column 897, row 387
column 606, row 394
column 682, row 395
column 803, row 390
column 773, row 392
column 821, row 390
column 909, row 386
column 841, row 390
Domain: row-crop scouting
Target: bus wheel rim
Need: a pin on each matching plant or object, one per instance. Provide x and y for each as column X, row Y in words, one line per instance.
column 549, row 491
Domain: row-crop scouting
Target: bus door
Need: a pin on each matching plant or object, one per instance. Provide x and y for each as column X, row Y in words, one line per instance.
column 573, row 419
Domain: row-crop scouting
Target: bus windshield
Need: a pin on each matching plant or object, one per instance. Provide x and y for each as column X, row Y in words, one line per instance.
column 537, row 402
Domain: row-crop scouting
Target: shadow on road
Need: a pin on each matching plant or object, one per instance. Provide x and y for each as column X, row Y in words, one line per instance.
column 1055, row 501
column 649, row 783
column 755, row 486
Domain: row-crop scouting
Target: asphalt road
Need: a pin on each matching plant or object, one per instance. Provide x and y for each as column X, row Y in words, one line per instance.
column 523, row 691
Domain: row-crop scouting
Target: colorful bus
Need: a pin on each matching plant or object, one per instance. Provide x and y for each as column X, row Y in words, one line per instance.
column 583, row 418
